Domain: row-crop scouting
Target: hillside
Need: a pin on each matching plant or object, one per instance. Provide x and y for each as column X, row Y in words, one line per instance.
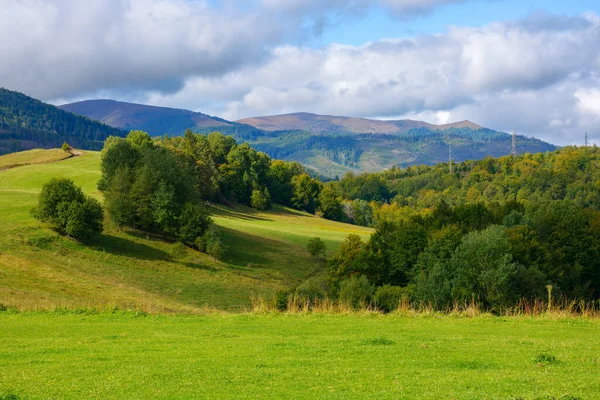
column 324, row 124
column 128, row 269
column 27, row 123
column 331, row 146
column 155, row 120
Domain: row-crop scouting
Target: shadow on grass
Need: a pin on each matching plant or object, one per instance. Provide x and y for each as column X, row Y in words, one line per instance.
column 247, row 252
column 123, row 247
column 246, row 213
column 197, row 265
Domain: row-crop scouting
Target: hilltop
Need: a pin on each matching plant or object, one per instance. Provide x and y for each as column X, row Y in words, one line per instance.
column 152, row 119
column 329, row 145
column 27, row 123
column 324, row 124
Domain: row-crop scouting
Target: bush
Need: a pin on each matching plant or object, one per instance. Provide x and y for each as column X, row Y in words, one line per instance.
column 311, row 290
column 281, row 300
column 84, row 220
column 387, row 297
column 64, row 206
column 316, row 247
column 212, row 243
column 356, row 291
column 260, row 199
column 193, row 223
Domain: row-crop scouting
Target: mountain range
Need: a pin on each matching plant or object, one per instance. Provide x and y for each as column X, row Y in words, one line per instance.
column 330, row 145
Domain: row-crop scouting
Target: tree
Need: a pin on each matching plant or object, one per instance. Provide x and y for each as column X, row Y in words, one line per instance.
column 260, row 199
column 64, row 206
column 66, row 147
column 316, row 247
column 330, row 203
column 306, row 192
column 139, row 140
column 344, row 263
column 193, row 223
column 483, row 268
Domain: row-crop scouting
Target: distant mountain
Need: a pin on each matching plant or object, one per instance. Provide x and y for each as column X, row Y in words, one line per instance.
column 155, row 120
column 330, row 145
column 325, row 124
column 27, row 123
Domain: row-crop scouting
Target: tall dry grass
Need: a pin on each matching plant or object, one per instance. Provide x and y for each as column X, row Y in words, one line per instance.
column 524, row 307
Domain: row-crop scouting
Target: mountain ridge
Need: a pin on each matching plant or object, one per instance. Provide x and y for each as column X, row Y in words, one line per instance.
column 320, row 123
column 329, row 145
column 156, row 120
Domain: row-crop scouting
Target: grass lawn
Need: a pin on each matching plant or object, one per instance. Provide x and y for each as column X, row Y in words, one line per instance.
column 297, row 356
column 40, row 269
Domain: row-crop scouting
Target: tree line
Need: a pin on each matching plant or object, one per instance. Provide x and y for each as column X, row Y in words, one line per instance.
column 493, row 254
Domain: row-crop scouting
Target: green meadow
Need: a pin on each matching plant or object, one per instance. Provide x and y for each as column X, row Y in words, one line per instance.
column 303, row 356
column 131, row 315
column 129, row 269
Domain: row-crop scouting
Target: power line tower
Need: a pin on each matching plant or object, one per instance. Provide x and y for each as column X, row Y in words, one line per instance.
column 450, row 157
column 513, row 151
column 586, row 140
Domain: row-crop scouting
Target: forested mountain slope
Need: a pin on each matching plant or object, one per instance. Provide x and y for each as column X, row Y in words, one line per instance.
column 329, row 145
column 154, row 120
column 27, row 123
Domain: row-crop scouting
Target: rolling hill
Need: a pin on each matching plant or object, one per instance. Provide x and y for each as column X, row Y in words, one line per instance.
column 27, row 123
column 324, row 124
column 154, row 120
column 128, row 269
column 329, row 145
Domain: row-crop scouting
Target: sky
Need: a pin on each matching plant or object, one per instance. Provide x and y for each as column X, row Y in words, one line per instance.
column 526, row 65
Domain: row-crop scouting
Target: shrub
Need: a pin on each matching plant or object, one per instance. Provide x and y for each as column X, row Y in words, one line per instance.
column 214, row 247
column 316, row 247
column 311, row 290
column 260, row 199
column 387, row 297
column 193, row 223
column 64, row 206
column 356, row 291
column 281, row 300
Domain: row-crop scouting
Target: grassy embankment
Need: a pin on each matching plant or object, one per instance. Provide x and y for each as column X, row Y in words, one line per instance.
column 41, row 270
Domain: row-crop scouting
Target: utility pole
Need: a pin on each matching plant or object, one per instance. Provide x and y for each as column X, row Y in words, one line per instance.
column 513, row 151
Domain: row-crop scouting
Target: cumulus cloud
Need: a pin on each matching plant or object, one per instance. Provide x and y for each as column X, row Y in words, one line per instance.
column 540, row 76
column 62, row 48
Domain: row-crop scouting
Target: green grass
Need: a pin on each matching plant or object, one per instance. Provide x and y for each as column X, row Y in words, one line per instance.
column 37, row 156
column 40, row 269
column 297, row 356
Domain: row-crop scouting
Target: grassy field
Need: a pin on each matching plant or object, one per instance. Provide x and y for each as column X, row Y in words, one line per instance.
column 37, row 156
column 40, row 269
column 297, row 356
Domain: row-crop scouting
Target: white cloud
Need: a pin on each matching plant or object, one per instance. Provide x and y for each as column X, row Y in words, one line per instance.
column 63, row 48
column 538, row 76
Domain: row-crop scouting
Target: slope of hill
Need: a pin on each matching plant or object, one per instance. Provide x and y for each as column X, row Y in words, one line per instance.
column 325, row 124
column 329, row 145
column 27, row 123
column 155, row 120
column 128, row 269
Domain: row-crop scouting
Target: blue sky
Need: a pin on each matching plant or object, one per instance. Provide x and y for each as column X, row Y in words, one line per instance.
column 532, row 66
column 379, row 24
